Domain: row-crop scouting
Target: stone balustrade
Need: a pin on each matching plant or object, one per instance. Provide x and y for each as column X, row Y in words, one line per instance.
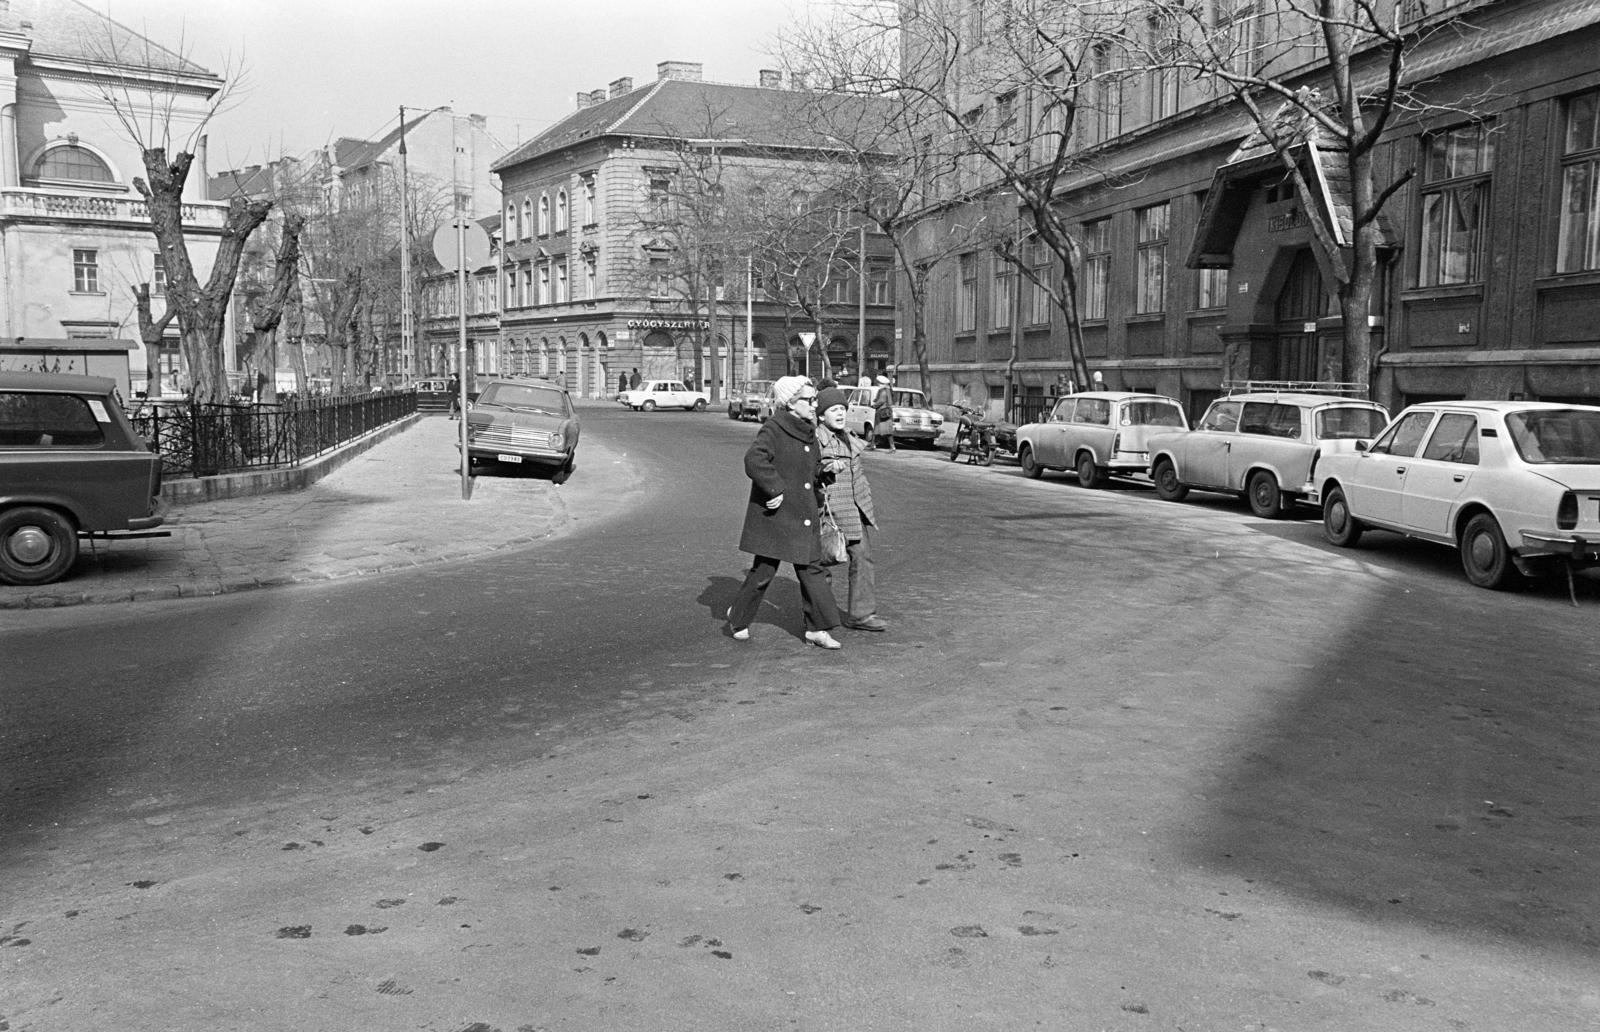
column 28, row 203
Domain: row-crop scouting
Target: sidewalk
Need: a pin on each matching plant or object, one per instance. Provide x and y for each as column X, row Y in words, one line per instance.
column 396, row 504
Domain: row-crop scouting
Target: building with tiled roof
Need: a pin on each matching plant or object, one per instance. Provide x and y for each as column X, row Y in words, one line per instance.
column 585, row 298
column 75, row 231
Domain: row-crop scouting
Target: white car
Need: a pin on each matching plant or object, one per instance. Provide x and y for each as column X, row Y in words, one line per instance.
column 1507, row 483
column 1097, row 434
column 654, row 394
column 1264, row 445
column 913, row 419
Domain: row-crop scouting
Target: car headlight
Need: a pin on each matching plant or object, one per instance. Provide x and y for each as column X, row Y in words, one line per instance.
column 558, row 440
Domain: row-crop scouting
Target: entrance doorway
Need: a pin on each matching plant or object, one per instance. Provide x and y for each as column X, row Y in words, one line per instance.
column 1302, row 301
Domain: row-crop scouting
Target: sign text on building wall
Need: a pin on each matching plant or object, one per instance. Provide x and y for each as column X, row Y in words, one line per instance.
column 668, row 324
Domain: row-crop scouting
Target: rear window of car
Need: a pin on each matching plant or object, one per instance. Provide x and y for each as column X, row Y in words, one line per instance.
column 1556, row 435
column 36, row 420
column 1351, row 422
column 909, row 399
column 1152, row 413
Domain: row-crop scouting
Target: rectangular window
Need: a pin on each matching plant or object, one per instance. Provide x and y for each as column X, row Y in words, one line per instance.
column 1456, row 169
column 1096, row 285
column 1161, row 98
column 1578, row 241
column 839, row 288
column 1150, row 234
column 544, row 286
column 158, row 277
column 1213, row 289
column 878, row 279
column 561, row 283
column 511, row 287
column 660, row 191
column 967, row 295
column 526, row 297
column 660, row 278
column 1039, row 300
column 591, row 279
column 85, row 271
column 588, row 200
column 1002, row 293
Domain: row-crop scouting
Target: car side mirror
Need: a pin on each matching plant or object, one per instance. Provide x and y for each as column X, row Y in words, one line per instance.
column 1362, row 446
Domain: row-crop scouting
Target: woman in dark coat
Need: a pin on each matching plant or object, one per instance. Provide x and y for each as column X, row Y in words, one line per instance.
column 781, row 518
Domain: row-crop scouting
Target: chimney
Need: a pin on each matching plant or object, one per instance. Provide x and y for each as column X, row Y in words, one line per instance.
column 596, row 97
column 689, row 71
column 771, row 78
column 800, row 80
column 621, row 87
column 583, row 100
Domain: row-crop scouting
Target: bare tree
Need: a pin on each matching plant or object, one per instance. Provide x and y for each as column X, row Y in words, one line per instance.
column 163, row 105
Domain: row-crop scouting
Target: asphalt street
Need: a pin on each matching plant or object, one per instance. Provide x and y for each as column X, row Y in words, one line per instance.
column 1118, row 764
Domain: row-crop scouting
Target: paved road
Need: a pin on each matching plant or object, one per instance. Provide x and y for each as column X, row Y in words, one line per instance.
column 1119, row 765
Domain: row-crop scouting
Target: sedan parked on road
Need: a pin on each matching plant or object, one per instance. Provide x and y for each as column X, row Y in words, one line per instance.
column 653, row 394
column 1264, row 445
column 1097, row 434
column 71, row 465
column 524, row 422
column 913, row 419
column 1510, row 484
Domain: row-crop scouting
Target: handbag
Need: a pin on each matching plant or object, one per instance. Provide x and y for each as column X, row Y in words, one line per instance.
column 834, row 550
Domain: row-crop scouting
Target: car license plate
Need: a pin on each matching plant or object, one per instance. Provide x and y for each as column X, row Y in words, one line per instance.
column 508, row 458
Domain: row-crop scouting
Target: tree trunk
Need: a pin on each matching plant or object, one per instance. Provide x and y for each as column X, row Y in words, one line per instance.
column 201, row 311
column 269, row 314
column 151, row 332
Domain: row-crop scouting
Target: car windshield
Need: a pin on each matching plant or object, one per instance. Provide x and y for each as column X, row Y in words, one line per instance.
column 516, row 395
column 1556, row 435
column 1152, row 413
column 1349, row 423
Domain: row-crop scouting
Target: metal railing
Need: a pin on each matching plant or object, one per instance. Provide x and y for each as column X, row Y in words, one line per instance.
column 208, row 440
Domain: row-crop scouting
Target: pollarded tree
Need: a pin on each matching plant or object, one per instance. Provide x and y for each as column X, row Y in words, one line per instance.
column 163, row 105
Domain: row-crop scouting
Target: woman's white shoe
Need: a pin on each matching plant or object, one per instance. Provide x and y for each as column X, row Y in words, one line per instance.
column 823, row 640
column 739, row 633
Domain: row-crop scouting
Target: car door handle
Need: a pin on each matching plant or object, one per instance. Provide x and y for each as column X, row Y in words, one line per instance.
column 1459, row 477
column 1399, row 470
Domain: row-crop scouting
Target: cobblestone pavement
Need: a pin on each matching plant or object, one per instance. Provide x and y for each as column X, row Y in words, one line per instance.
column 398, row 504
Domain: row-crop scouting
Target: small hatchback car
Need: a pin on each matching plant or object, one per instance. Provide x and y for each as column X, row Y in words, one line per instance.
column 520, row 422
column 1265, row 445
column 1097, row 434
column 71, row 465
column 1508, row 483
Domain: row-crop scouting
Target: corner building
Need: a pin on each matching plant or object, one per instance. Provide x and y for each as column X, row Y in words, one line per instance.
column 589, row 292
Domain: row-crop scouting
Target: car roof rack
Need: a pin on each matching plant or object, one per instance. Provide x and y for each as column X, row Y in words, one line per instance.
column 1332, row 387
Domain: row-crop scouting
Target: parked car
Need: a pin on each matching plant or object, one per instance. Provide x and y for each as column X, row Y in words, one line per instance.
column 1097, row 434
column 521, row 422
column 914, row 420
column 1510, row 484
column 71, row 466
column 746, row 402
column 654, row 394
column 1265, row 445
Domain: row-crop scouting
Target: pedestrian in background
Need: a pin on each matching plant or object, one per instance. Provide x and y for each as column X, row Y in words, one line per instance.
column 633, row 378
column 455, row 395
column 781, row 517
column 883, row 413
column 622, row 382
column 848, row 496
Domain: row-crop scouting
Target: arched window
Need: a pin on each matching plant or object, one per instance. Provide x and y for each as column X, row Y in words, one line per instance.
column 70, row 161
column 561, row 212
column 525, row 225
column 544, row 214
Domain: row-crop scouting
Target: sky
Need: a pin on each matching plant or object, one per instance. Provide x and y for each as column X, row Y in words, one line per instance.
column 316, row 70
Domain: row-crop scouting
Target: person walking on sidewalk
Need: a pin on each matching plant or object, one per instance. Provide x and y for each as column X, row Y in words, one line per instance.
column 848, row 497
column 455, row 395
column 781, row 518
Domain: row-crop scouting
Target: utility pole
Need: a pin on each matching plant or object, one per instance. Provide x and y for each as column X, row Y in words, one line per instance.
column 407, row 332
column 861, row 308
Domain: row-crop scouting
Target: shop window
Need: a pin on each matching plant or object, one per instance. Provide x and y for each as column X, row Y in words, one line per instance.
column 1578, row 243
column 1456, row 169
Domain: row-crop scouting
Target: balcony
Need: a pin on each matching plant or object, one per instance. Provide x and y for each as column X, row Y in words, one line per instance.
column 24, row 203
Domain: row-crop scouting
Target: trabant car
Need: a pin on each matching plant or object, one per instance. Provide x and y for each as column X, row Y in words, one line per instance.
column 71, row 466
column 746, row 401
column 1097, row 434
column 653, row 394
column 1509, row 484
column 524, row 422
column 1265, row 445
column 913, row 419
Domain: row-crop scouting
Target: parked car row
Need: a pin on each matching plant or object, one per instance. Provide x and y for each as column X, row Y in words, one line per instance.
column 1512, row 485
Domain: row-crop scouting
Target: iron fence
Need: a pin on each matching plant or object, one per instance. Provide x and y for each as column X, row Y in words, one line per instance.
column 207, row 440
